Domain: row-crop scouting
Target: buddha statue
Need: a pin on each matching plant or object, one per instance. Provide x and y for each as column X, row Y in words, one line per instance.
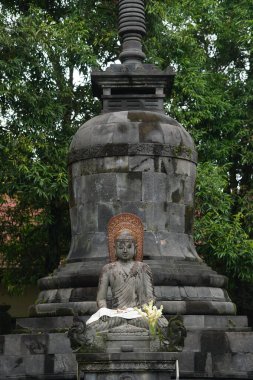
column 130, row 281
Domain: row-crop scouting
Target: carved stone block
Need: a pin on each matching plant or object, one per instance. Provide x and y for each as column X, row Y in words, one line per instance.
column 127, row 366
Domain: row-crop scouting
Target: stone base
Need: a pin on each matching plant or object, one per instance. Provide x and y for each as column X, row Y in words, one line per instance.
column 126, row 366
column 127, row 338
column 36, row 357
column 216, row 347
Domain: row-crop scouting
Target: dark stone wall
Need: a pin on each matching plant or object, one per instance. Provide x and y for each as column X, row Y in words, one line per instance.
column 163, row 199
column 138, row 162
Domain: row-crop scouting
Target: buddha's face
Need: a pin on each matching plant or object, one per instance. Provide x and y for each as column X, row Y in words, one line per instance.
column 125, row 246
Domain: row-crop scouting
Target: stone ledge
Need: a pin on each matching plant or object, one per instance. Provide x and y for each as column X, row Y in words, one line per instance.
column 191, row 322
column 141, row 149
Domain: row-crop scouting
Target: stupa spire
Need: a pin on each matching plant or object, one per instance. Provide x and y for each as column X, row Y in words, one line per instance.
column 131, row 30
column 132, row 85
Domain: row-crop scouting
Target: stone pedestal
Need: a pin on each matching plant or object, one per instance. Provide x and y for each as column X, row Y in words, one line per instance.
column 133, row 340
column 126, row 366
column 216, row 347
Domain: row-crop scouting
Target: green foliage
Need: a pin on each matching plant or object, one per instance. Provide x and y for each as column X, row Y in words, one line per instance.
column 220, row 236
column 47, row 51
column 209, row 43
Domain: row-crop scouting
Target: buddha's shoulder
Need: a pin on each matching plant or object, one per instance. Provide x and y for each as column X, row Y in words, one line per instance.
column 108, row 267
column 145, row 267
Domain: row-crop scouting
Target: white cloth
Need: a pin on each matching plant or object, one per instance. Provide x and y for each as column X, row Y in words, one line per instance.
column 129, row 313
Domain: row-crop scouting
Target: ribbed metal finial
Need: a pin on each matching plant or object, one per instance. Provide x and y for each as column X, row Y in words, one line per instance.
column 131, row 29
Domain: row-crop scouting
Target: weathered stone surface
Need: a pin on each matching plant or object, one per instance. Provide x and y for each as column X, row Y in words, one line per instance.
column 175, row 189
column 34, row 344
column 189, row 190
column 216, row 343
column 183, row 167
column 231, row 366
column 177, row 246
column 83, row 308
column 186, row 360
column 172, row 134
column 192, row 322
column 150, row 244
column 136, row 127
column 44, row 324
column 64, row 364
column 133, row 208
column 63, row 295
column 189, row 307
column 189, row 219
column 176, row 213
column 11, row 367
column 190, row 293
column 240, row 342
column 128, row 343
column 58, row 343
column 166, row 271
column 105, row 212
column 47, row 296
column 192, row 342
column 141, row 366
column 200, row 358
column 122, row 134
column 12, row 345
column 87, row 218
column 34, row 365
column 141, row 164
column 129, row 187
column 83, row 294
column 90, row 244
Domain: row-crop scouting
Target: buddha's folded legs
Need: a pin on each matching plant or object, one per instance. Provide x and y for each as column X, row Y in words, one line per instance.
column 110, row 323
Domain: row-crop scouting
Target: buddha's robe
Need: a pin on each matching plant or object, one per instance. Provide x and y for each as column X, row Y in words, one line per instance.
column 128, row 291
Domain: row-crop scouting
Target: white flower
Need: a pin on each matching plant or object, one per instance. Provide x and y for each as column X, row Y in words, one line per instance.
column 151, row 314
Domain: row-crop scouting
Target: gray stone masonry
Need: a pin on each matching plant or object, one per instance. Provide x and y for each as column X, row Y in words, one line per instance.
column 36, row 356
column 128, row 366
column 144, row 163
column 215, row 347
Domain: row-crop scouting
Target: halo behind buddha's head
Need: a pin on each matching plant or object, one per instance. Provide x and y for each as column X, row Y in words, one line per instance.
column 125, row 226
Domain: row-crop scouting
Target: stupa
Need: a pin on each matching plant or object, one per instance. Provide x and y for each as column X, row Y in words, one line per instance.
column 132, row 158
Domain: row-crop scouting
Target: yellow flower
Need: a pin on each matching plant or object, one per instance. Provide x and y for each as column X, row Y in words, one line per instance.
column 151, row 314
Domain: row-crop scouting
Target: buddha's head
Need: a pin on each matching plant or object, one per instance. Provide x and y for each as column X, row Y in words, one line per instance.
column 125, row 246
column 125, row 237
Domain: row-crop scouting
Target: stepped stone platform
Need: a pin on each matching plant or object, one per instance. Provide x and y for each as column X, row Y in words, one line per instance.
column 215, row 347
column 191, row 322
